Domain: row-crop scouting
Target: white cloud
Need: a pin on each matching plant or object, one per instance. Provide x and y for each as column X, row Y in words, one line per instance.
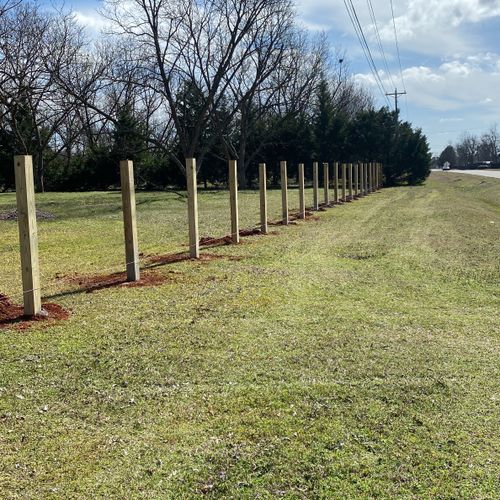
column 92, row 20
column 453, row 86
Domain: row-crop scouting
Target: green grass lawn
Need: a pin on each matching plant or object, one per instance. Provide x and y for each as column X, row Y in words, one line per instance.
column 356, row 355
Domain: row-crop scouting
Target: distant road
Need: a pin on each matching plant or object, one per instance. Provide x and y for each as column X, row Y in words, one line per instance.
column 484, row 173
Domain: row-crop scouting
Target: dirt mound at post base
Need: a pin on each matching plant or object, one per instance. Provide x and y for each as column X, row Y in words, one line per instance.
column 12, row 315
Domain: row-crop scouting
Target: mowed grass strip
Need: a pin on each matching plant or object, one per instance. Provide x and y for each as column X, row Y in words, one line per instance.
column 352, row 356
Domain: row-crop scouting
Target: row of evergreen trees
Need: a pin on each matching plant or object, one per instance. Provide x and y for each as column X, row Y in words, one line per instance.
column 323, row 134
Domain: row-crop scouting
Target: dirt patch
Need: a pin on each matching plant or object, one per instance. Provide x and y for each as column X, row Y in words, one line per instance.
column 97, row 282
column 227, row 239
column 294, row 217
column 12, row 215
column 180, row 257
column 12, row 315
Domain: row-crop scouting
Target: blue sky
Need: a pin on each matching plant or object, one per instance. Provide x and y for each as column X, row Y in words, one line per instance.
column 450, row 56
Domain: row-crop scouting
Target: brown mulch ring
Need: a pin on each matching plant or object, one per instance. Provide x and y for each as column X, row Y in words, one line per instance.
column 12, row 315
column 93, row 283
column 12, row 215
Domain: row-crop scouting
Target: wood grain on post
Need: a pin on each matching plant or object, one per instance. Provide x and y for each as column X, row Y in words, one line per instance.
column 263, row 197
column 233, row 197
column 28, row 236
column 356, row 179
column 350, row 182
column 326, row 183
column 129, row 220
column 192, row 190
column 336, row 182
column 302, row 194
column 284, row 192
column 366, row 178
column 315, row 186
column 344, row 181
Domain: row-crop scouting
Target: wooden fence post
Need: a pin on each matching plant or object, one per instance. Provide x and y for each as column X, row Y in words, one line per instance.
column 366, row 178
column 192, row 190
column 315, row 186
column 302, row 194
column 344, row 181
column 28, row 236
column 263, row 198
column 371, row 177
column 129, row 220
column 284, row 192
column 233, row 200
column 356, row 179
column 336, row 182
column 350, row 182
column 362, row 179
column 326, row 183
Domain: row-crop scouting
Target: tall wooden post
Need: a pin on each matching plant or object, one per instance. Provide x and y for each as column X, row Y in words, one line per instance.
column 326, row 183
column 233, row 197
column 350, row 182
column 336, row 182
column 366, row 178
column 28, row 236
column 362, row 179
column 302, row 194
column 263, row 198
column 370, row 177
column 129, row 220
column 284, row 192
column 356, row 179
column 344, row 181
column 192, row 190
column 315, row 186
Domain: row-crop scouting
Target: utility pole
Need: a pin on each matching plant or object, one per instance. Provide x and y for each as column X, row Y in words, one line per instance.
column 396, row 95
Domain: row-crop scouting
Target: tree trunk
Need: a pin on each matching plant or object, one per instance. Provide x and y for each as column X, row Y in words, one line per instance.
column 40, row 172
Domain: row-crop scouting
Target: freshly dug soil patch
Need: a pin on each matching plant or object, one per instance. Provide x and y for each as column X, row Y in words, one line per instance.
column 91, row 284
column 12, row 215
column 12, row 315
column 226, row 240
column 293, row 217
column 180, row 257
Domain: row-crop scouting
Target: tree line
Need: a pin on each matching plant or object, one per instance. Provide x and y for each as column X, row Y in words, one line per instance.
column 169, row 80
column 472, row 150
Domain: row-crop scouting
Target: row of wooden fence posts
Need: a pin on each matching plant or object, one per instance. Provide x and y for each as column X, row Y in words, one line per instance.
column 367, row 178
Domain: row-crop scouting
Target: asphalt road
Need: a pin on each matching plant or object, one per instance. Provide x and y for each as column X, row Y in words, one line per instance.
column 484, row 173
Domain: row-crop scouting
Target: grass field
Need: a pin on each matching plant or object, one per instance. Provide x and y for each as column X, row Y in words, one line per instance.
column 356, row 355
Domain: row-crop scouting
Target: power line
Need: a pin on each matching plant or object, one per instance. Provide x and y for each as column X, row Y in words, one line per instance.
column 399, row 57
column 351, row 10
column 379, row 40
column 397, row 46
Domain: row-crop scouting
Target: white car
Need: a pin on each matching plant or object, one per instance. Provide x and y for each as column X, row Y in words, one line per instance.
column 446, row 167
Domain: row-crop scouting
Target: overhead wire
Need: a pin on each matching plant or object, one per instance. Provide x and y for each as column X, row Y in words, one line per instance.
column 353, row 16
column 379, row 40
column 396, row 40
